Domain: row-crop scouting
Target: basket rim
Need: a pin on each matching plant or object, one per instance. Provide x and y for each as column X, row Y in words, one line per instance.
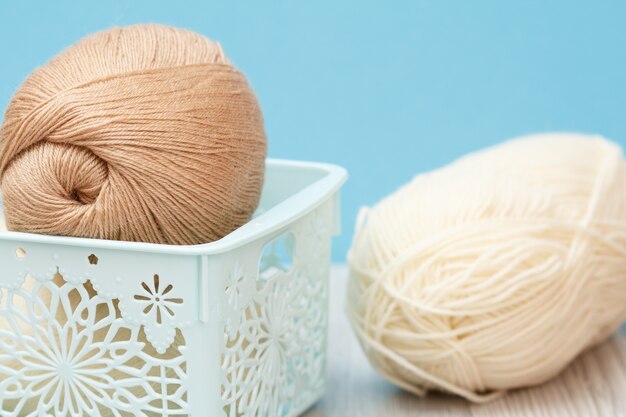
column 295, row 206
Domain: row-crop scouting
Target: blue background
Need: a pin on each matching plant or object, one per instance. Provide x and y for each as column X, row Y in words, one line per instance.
column 386, row 89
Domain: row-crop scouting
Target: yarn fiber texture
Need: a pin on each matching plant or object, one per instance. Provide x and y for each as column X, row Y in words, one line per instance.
column 496, row 271
column 142, row 133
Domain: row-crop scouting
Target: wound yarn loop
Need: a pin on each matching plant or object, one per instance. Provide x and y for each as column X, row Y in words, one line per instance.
column 142, row 133
column 494, row 272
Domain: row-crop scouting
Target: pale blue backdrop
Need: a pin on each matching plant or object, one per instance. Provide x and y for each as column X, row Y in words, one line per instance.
column 386, row 89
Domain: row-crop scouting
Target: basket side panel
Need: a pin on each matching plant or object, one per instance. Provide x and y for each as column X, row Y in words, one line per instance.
column 94, row 333
column 274, row 319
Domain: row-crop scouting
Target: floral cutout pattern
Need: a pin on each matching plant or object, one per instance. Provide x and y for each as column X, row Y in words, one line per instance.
column 65, row 351
column 117, row 275
column 156, row 301
column 273, row 358
column 239, row 292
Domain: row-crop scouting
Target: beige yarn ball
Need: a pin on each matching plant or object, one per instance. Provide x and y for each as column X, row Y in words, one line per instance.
column 494, row 272
column 142, row 133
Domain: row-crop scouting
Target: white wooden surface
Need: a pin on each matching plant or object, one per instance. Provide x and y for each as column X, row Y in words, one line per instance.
column 594, row 385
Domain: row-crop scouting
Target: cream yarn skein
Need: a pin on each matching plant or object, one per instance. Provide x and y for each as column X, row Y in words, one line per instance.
column 142, row 133
column 494, row 272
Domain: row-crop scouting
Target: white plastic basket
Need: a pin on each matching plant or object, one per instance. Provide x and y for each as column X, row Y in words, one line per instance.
column 232, row 328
